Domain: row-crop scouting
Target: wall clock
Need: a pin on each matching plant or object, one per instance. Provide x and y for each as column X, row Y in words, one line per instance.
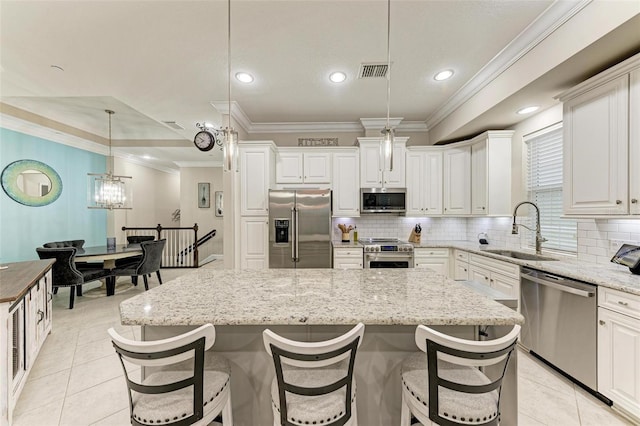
column 204, row 140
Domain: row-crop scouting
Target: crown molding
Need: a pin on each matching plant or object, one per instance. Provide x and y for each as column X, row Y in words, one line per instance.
column 36, row 130
column 182, row 164
column 548, row 22
column 237, row 113
column 305, row 127
column 380, row 123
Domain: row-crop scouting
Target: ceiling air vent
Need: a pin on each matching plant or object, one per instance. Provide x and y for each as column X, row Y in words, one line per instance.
column 373, row 70
column 173, row 125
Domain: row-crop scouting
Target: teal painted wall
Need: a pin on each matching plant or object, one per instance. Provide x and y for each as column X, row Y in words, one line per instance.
column 24, row 228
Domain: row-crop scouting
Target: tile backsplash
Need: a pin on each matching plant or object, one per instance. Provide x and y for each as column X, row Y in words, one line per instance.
column 598, row 239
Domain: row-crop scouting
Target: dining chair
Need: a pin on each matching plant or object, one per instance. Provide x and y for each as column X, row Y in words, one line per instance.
column 137, row 239
column 149, row 263
column 65, row 273
column 60, row 244
column 314, row 382
column 455, row 381
column 185, row 383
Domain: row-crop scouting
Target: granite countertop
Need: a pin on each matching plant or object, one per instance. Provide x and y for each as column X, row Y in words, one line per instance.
column 314, row 297
column 611, row 275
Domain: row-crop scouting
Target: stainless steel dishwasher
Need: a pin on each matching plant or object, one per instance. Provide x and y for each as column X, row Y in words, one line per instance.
column 560, row 323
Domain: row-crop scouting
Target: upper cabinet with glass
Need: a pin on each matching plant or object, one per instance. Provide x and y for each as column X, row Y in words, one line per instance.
column 31, row 183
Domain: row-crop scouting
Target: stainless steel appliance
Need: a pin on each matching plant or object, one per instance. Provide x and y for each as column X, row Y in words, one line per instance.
column 300, row 229
column 383, row 200
column 560, row 323
column 387, row 253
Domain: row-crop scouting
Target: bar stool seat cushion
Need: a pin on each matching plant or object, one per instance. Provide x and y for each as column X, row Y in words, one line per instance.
column 454, row 405
column 313, row 410
column 170, row 407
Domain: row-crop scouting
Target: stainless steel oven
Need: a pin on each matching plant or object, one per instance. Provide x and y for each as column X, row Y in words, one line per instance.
column 387, row 253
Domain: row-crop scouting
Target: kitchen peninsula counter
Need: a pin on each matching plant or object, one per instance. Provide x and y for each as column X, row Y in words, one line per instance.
column 320, row 304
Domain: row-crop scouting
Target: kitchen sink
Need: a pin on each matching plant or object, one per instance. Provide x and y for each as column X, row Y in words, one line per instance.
column 520, row 255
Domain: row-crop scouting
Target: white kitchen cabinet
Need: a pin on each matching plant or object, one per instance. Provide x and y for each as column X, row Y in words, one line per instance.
column 424, row 181
column 634, row 142
column 375, row 174
column 502, row 276
column 257, row 175
column 491, row 173
column 347, row 258
column 601, row 154
column 298, row 166
column 436, row 259
column 460, row 265
column 457, row 181
column 28, row 322
column 254, row 243
column 619, row 349
column 346, row 183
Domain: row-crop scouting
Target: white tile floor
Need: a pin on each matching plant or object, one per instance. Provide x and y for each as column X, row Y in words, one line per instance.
column 78, row 380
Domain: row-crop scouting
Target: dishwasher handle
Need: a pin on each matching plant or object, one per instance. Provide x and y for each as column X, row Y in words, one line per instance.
column 566, row 286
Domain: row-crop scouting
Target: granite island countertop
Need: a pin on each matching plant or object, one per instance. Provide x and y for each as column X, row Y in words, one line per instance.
column 611, row 275
column 314, row 297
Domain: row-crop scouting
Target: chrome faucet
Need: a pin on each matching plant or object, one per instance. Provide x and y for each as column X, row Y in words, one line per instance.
column 514, row 227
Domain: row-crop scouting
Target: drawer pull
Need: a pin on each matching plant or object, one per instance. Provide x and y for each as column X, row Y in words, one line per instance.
column 618, row 202
column 620, row 302
column 602, row 322
column 634, row 201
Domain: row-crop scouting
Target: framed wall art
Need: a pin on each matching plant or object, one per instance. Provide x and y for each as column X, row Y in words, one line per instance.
column 204, row 195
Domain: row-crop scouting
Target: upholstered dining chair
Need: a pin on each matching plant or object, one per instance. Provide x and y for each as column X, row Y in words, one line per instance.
column 148, row 263
column 60, row 244
column 314, row 382
column 65, row 273
column 455, row 381
column 185, row 383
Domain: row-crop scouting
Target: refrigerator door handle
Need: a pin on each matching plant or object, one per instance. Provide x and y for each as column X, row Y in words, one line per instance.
column 293, row 232
column 297, row 236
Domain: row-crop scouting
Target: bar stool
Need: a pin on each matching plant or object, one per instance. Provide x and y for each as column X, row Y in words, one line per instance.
column 187, row 385
column 314, row 383
column 449, row 381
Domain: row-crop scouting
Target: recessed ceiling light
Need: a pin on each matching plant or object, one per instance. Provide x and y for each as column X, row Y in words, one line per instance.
column 338, row 77
column 443, row 75
column 528, row 109
column 146, row 157
column 244, row 77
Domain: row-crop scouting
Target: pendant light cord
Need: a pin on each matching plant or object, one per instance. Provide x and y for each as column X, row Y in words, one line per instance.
column 229, row 60
column 388, row 59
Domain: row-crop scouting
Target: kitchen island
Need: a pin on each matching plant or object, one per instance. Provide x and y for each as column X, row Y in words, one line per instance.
column 317, row 304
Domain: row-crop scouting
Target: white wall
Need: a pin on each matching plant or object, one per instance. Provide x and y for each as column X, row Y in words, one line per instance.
column 190, row 213
column 156, row 195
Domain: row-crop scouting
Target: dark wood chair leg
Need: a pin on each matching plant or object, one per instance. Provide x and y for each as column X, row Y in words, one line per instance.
column 146, row 282
column 78, row 290
column 134, row 279
column 72, row 295
column 159, row 278
column 111, row 286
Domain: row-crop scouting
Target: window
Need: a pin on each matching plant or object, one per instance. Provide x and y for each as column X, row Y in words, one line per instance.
column 544, row 187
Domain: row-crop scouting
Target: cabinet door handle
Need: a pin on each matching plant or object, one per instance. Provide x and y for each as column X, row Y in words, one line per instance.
column 50, row 296
column 618, row 201
column 620, row 302
column 602, row 322
column 40, row 316
column 465, row 269
column 634, row 201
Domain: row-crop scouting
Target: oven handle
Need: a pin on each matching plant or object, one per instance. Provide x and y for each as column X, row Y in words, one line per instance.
column 561, row 287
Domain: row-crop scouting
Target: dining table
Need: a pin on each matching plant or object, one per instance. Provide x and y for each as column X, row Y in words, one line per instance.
column 107, row 256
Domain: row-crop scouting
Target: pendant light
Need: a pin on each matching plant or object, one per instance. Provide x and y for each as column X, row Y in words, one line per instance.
column 106, row 190
column 386, row 144
column 230, row 135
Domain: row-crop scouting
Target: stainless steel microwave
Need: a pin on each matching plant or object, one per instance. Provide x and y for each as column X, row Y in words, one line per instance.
column 383, row 200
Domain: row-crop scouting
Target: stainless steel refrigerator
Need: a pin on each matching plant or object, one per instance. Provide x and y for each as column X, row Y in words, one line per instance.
column 300, row 228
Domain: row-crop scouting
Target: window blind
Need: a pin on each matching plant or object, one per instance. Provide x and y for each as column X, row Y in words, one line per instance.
column 544, row 187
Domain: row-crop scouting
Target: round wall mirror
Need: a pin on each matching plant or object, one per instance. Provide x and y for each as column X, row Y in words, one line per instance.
column 31, row 183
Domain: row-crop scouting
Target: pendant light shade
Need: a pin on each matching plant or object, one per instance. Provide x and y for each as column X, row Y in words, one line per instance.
column 386, row 143
column 106, row 190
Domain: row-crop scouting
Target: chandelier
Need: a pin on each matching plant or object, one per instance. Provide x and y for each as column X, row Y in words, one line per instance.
column 106, row 190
